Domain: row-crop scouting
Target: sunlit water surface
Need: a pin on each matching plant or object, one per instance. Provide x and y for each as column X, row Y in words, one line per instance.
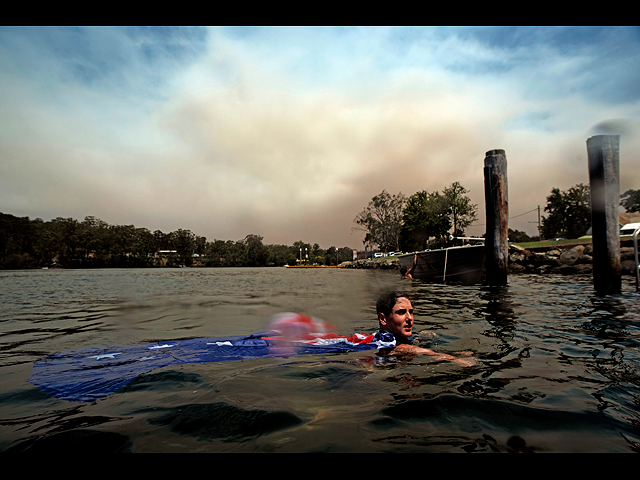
column 557, row 366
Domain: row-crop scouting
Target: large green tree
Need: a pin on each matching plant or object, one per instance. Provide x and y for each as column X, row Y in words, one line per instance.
column 280, row 255
column 257, row 252
column 462, row 212
column 18, row 241
column 435, row 214
column 569, row 213
column 381, row 220
column 94, row 240
column 517, row 236
column 64, row 235
column 425, row 215
column 630, row 200
column 184, row 242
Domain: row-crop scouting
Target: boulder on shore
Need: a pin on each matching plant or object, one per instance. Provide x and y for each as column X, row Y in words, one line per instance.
column 381, row 263
column 572, row 259
column 564, row 260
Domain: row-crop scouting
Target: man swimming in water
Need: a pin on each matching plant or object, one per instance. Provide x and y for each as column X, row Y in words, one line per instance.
column 408, row 273
column 395, row 315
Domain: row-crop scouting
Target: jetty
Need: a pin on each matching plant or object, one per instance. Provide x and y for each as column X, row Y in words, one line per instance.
column 567, row 258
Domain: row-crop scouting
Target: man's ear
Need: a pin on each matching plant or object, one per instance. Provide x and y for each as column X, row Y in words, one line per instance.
column 382, row 319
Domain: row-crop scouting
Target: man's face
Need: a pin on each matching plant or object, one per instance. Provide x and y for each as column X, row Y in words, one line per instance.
column 400, row 320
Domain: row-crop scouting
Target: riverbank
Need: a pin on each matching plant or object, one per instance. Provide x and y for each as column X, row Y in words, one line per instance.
column 562, row 259
column 566, row 260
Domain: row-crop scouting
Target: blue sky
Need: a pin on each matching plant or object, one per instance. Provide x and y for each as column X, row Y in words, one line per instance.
column 289, row 132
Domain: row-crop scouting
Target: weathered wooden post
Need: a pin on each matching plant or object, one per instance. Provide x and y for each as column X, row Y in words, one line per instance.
column 604, row 177
column 496, row 246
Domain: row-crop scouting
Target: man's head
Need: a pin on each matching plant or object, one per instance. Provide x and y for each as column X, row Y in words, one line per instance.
column 395, row 313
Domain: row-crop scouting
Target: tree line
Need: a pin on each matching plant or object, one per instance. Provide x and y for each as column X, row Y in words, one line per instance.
column 391, row 222
column 430, row 219
column 93, row 243
column 425, row 219
column 570, row 211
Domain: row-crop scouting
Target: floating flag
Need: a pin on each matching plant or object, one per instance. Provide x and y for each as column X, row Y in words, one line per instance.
column 90, row 374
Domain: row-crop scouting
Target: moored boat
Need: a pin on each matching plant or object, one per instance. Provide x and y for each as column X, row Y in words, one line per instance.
column 463, row 265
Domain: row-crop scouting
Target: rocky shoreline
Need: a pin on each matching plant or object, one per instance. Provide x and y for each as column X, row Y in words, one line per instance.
column 566, row 260
column 379, row 263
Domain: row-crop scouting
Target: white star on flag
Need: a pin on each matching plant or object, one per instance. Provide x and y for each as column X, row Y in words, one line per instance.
column 106, row 355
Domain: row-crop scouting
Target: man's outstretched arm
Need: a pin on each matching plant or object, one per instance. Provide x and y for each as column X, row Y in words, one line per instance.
column 405, row 349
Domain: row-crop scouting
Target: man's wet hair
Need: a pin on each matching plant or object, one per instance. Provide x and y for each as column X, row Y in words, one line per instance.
column 387, row 301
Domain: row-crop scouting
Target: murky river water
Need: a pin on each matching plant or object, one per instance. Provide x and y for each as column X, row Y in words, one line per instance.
column 557, row 366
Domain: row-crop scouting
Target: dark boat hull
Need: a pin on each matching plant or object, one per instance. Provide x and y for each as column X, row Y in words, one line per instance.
column 463, row 265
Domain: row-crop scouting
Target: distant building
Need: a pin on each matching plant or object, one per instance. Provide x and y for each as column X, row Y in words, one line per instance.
column 162, row 253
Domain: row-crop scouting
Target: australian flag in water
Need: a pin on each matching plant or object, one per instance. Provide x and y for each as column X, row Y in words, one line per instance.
column 90, row 374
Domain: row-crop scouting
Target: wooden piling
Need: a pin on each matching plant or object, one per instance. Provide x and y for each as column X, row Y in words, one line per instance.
column 604, row 177
column 497, row 212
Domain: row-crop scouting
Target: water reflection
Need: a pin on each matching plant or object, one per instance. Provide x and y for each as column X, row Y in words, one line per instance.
column 557, row 365
column 78, row 441
column 499, row 314
column 222, row 421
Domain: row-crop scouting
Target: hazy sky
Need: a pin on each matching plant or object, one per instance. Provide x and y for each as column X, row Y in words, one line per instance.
column 289, row 132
